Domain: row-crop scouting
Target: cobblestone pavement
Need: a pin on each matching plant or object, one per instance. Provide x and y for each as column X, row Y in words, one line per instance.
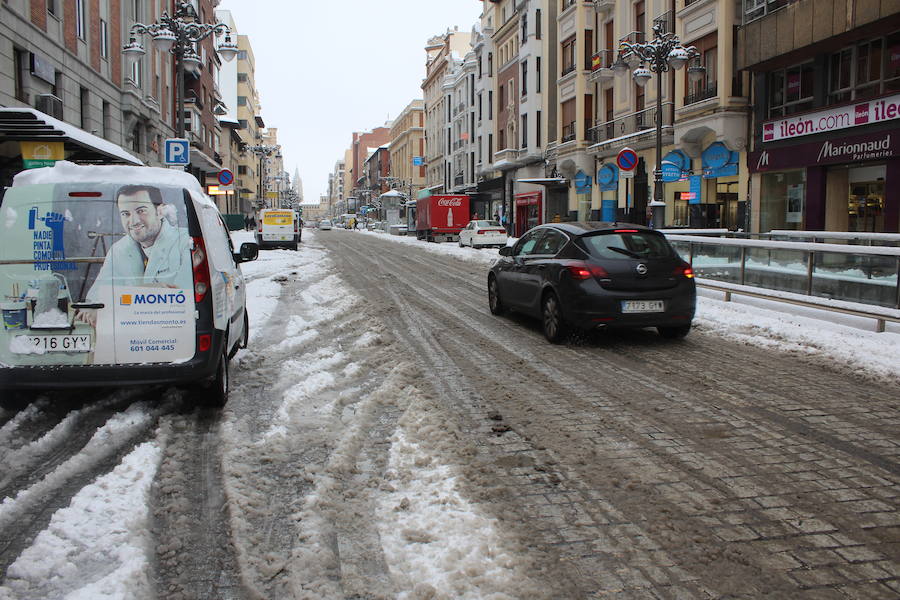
column 644, row 468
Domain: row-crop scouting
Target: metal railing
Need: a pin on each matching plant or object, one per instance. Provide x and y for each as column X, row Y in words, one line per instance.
column 603, row 59
column 857, row 274
column 568, row 133
column 710, row 91
column 567, row 69
column 632, row 123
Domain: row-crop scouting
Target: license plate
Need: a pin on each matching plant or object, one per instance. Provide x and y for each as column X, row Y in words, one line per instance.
column 58, row 343
column 642, row 306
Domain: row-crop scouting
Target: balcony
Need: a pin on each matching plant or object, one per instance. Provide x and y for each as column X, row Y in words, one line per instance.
column 604, row 6
column 633, row 124
column 567, row 69
column 568, row 133
column 458, row 179
column 601, row 65
column 756, row 9
column 506, row 158
column 710, row 91
column 666, row 21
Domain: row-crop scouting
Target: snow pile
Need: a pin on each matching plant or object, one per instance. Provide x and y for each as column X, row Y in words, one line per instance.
column 97, row 547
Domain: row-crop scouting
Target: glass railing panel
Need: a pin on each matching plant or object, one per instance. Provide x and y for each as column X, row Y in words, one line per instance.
column 712, row 261
column 776, row 269
column 863, row 278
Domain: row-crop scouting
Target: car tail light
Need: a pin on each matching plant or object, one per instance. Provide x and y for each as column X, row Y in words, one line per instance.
column 205, row 342
column 85, row 194
column 625, row 231
column 584, row 271
column 482, row 231
column 259, row 227
column 201, row 269
column 685, row 270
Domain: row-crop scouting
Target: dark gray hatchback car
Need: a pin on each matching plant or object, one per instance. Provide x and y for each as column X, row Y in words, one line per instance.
column 595, row 274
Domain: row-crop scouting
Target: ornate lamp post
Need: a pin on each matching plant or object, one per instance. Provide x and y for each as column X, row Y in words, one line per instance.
column 660, row 54
column 179, row 34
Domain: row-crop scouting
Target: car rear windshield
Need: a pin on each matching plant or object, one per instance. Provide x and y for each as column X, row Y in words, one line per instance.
column 638, row 244
column 487, row 224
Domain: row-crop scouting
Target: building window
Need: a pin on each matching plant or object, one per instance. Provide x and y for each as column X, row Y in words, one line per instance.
column 707, row 86
column 865, row 70
column 242, row 55
column 568, row 121
column 79, row 19
column 537, row 71
column 136, row 138
column 524, row 131
column 137, row 13
column 242, row 100
column 52, row 8
column 242, row 77
column 104, row 39
column 537, row 128
column 136, row 69
column 19, row 59
column 524, row 24
column 568, row 55
column 490, row 64
column 490, row 105
column 85, row 101
column 490, row 147
column 524, row 77
column 791, row 90
column 588, row 49
column 537, row 24
column 106, row 116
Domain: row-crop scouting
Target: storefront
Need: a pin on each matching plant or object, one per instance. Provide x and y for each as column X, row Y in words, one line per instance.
column 722, row 207
column 529, row 211
column 842, row 183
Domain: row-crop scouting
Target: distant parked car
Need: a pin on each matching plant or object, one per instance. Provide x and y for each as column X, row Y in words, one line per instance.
column 592, row 274
column 481, row 233
column 325, row 224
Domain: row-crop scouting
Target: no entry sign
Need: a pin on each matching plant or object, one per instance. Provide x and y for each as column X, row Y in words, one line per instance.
column 627, row 159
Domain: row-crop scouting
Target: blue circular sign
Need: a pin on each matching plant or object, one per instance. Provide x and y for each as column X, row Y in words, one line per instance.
column 627, row 159
column 607, row 174
column 226, row 177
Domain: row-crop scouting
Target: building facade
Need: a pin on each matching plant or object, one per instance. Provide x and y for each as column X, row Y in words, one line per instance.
column 826, row 114
column 408, row 149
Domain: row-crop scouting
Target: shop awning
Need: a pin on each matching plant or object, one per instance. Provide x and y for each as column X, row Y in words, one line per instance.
column 30, row 125
column 545, row 181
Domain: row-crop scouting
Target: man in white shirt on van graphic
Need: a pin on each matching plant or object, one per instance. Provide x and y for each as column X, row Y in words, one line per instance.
column 154, row 253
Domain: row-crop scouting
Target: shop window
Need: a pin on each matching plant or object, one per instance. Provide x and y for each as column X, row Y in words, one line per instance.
column 865, row 206
column 791, row 90
column 782, row 199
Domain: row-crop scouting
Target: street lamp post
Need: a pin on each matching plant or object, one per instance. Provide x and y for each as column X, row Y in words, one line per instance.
column 178, row 34
column 660, row 54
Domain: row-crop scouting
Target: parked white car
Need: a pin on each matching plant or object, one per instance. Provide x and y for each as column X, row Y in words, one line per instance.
column 481, row 233
column 115, row 275
column 325, row 224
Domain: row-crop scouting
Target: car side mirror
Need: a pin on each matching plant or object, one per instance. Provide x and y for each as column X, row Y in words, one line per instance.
column 506, row 251
column 249, row 251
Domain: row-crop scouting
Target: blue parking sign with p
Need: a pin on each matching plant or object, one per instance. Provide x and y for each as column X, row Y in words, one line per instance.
column 177, row 151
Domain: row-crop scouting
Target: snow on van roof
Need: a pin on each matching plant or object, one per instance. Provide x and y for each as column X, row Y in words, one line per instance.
column 68, row 172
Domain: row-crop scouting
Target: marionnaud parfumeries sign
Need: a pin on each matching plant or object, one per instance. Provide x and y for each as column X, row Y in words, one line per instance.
column 858, row 148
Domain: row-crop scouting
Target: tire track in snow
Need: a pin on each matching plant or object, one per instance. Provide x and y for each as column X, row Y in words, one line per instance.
column 307, row 382
column 26, row 514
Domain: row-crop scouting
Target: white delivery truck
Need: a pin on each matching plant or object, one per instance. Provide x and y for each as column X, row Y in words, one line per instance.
column 278, row 228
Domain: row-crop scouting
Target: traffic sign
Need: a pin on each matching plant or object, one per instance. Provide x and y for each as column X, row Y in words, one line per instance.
column 177, row 151
column 226, row 177
column 627, row 159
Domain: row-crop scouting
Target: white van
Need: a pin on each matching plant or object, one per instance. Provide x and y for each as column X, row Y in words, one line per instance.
column 278, row 228
column 113, row 275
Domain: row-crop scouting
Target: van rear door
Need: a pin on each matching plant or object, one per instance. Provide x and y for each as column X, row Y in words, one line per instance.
column 151, row 283
column 278, row 226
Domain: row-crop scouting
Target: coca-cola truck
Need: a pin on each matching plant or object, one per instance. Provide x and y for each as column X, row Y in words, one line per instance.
column 441, row 218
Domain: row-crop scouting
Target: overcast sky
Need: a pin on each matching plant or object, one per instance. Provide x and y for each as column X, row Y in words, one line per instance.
column 327, row 69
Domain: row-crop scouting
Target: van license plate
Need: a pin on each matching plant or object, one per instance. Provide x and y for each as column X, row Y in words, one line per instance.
column 60, row 343
column 642, row 306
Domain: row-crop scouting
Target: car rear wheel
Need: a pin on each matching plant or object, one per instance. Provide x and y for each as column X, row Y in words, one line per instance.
column 674, row 333
column 494, row 297
column 217, row 390
column 552, row 319
column 245, row 339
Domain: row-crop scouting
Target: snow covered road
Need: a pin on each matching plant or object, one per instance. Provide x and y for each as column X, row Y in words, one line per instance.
column 386, row 437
